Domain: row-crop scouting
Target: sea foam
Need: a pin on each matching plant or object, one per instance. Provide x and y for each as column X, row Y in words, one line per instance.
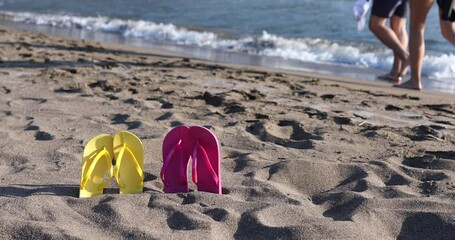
column 304, row 49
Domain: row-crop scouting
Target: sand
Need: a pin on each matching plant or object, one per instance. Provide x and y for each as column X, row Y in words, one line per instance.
column 304, row 156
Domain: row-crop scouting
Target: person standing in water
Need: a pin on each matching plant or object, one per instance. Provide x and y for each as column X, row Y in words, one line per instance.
column 419, row 11
column 394, row 37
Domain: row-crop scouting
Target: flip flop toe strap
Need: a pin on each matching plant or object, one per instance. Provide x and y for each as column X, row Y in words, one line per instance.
column 107, row 156
column 167, row 160
column 135, row 162
column 205, row 158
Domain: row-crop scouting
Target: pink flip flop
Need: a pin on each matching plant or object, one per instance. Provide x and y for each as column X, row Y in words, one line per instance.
column 205, row 152
column 176, row 157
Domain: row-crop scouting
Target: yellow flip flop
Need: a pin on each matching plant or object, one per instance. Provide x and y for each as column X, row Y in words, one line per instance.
column 96, row 162
column 129, row 155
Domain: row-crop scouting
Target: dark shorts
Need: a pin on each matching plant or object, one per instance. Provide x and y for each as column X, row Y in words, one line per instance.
column 388, row 8
column 444, row 5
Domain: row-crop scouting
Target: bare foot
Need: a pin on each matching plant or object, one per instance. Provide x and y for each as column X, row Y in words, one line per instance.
column 409, row 85
column 389, row 77
column 404, row 68
column 386, row 77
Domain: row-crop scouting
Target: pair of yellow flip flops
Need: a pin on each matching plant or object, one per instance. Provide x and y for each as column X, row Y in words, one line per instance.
column 121, row 156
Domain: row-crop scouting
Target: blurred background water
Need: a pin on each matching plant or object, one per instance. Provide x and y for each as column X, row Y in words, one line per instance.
column 310, row 35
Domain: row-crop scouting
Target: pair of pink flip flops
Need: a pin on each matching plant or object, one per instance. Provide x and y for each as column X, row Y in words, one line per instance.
column 199, row 144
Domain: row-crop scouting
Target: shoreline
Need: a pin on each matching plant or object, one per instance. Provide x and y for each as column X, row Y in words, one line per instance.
column 223, row 57
column 303, row 155
column 113, row 42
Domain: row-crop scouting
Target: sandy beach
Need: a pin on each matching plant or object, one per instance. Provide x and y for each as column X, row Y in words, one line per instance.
column 304, row 156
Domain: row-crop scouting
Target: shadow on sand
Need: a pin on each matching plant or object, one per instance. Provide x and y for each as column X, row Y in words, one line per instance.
column 26, row 190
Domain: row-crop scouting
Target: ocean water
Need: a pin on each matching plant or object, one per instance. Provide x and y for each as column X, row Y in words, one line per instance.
column 318, row 35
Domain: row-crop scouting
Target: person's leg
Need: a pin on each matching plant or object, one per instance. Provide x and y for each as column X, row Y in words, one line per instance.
column 392, row 76
column 419, row 11
column 386, row 35
column 398, row 25
column 380, row 12
column 447, row 28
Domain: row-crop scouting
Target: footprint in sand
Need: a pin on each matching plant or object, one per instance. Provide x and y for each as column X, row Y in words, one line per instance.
column 43, row 136
column 181, row 221
column 25, row 101
column 286, row 133
column 62, row 157
column 328, row 96
column 133, row 102
column 396, row 180
column 210, row 99
column 446, row 108
column 252, row 227
column 187, row 198
column 122, row 119
column 234, row 107
column 104, row 86
column 345, row 208
column 388, row 175
column 149, row 177
column 175, row 119
column 393, row 108
column 242, row 161
column 14, row 163
column 304, row 93
column 426, row 225
column 433, row 160
column 230, row 106
column 70, row 88
column 37, row 100
column 261, row 116
column 429, row 170
column 250, row 95
column 31, row 127
column 217, row 214
column 312, row 112
column 342, row 120
column 29, row 231
column 164, row 103
column 423, row 132
column 39, row 135
column 5, row 90
column 105, row 209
